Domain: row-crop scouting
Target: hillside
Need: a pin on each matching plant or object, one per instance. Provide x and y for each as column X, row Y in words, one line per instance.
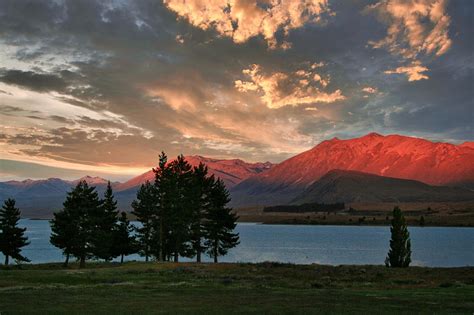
column 392, row 156
column 352, row 186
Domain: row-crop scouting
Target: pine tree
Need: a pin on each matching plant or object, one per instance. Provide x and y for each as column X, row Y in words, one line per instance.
column 163, row 185
column 74, row 229
column 105, row 224
column 124, row 241
column 220, row 223
column 63, row 232
column 12, row 238
column 144, row 208
column 399, row 254
column 179, row 208
column 199, row 203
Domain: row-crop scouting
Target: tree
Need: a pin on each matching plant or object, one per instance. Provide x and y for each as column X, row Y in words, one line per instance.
column 163, row 185
column 75, row 226
column 220, row 222
column 422, row 221
column 124, row 242
column 144, row 208
column 199, row 203
column 104, row 222
column 179, row 208
column 12, row 237
column 63, row 232
column 399, row 254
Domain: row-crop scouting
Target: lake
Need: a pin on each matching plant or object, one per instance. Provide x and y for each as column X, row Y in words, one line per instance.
column 305, row 244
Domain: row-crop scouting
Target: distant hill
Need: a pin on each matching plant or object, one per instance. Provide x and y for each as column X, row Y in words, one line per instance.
column 396, row 156
column 352, row 186
column 231, row 172
column 40, row 198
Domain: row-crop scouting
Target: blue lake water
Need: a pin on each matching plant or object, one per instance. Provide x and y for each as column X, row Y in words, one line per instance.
column 304, row 244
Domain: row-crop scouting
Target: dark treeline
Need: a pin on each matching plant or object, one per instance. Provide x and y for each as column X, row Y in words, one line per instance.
column 306, row 207
column 183, row 213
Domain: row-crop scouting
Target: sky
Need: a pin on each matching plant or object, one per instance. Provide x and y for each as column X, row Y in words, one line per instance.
column 101, row 87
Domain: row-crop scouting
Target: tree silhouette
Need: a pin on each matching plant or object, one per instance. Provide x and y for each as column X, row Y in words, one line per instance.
column 179, row 208
column 74, row 230
column 399, row 254
column 124, row 242
column 104, row 221
column 12, row 238
column 144, row 208
column 220, row 223
column 63, row 232
column 200, row 190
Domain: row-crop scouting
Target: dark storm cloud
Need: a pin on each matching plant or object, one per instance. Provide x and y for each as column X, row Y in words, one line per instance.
column 34, row 81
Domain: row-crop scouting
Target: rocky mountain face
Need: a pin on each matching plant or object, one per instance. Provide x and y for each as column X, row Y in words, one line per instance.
column 392, row 156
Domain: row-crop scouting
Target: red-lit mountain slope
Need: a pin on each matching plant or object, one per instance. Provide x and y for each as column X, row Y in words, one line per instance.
column 433, row 163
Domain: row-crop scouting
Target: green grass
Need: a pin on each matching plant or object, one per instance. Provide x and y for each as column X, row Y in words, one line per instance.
column 234, row 288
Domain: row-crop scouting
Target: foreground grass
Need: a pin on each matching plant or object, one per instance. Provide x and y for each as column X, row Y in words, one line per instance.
column 234, row 288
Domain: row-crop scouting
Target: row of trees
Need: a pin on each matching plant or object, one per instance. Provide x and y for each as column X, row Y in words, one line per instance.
column 89, row 227
column 183, row 213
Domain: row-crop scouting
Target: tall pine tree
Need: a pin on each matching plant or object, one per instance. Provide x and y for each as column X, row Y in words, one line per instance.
column 63, row 232
column 164, row 181
column 179, row 208
column 399, row 254
column 105, row 224
column 199, row 203
column 124, row 242
column 80, row 211
column 12, row 238
column 220, row 223
column 144, row 208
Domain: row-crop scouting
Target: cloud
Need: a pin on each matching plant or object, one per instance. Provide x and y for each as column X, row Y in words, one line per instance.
column 244, row 19
column 32, row 80
column 369, row 90
column 414, row 71
column 415, row 28
column 279, row 89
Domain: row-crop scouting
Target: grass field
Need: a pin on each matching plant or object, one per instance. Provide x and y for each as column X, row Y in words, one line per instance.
column 234, row 288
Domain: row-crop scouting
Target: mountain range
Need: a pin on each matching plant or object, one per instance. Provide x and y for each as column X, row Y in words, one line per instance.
column 39, row 198
column 432, row 163
column 369, row 168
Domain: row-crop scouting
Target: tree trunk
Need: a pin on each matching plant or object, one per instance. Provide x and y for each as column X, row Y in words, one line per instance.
column 160, row 256
column 6, row 260
column 198, row 255
column 146, row 258
column 215, row 251
column 176, row 257
column 121, row 259
column 66, row 262
column 82, row 263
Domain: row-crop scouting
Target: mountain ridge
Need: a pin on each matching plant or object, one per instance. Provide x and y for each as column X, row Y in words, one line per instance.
column 433, row 163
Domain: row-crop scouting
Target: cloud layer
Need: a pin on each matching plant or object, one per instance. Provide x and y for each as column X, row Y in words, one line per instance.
column 279, row 89
column 415, row 28
column 242, row 19
column 107, row 85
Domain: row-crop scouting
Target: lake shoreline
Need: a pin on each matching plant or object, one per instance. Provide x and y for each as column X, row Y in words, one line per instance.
column 293, row 221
